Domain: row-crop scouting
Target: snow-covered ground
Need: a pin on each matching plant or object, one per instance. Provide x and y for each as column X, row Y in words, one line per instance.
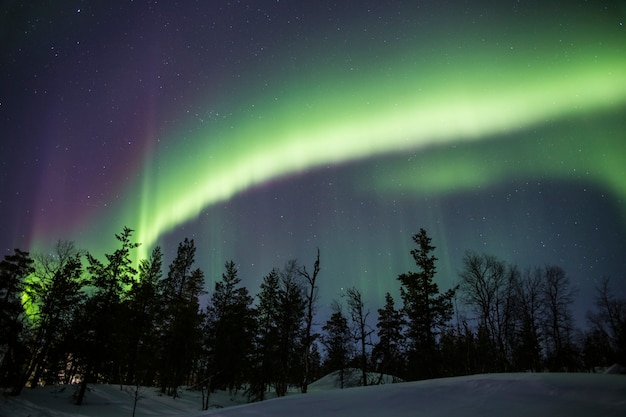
column 570, row 395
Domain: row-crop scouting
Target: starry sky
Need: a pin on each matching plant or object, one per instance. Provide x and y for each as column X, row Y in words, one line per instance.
column 266, row 129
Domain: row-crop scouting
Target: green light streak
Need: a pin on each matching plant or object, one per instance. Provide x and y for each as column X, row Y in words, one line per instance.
column 411, row 100
column 368, row 116
column 571, row 150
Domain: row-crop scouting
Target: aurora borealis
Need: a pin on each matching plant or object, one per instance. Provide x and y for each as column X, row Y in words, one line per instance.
column 266, row 129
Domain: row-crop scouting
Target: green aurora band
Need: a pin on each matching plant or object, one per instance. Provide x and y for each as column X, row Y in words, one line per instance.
column 572, row 149
column 378, row 117
column 417, row 100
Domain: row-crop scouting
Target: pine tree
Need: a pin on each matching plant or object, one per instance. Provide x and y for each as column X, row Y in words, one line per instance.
column 291, row 307
column 267, row 357
column 144, row 308
column 425, row 309
column 280, row 318
column 101, row 349
column 337, row 340
column 182, row 318
column 388, row 353
column 112, row 280
column 231, row 327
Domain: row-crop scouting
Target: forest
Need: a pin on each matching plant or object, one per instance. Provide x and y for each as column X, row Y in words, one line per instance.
column 72, row 317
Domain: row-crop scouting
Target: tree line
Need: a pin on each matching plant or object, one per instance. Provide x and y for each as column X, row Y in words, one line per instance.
column 69, row 317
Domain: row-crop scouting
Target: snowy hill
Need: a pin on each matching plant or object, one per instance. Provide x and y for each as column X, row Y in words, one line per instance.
column 351, row 379
column 481, row 395
column 525, row 395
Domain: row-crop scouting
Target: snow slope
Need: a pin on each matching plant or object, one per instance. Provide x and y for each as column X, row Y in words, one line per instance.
column 351, row 378
column 510, row 395
column 106, row 401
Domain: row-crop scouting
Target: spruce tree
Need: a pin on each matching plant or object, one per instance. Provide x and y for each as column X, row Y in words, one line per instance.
column 231, row 327
column 426, row 310
column 388, row 352
column 266, row 355
column 291, row 307
column 182, row 318
column 338, row 342
column 144, row 307
column 101, row 350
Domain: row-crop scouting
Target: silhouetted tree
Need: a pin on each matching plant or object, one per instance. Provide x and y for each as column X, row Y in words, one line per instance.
column 528, row 306
column 14, row 270
column 101, row 354
column 309, row 337
column 361, row 331
column 231, row 326
column 315, row 363
column 267, row 336
column 388, row 353
column 291, row 308
column 337, row 340
column 54, row 291
column 144, row 309
column 182, row 318
column 453, row 352
column 597, row 350
column 280, row 318
column 558, row 320
column 487, row 287
column 609, row 323
column 426, row 310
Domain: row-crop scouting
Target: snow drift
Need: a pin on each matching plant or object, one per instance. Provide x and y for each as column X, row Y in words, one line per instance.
column 480, row 395
column 510, row 395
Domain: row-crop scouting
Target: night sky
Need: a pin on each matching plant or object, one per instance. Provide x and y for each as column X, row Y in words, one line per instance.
column 266, row 129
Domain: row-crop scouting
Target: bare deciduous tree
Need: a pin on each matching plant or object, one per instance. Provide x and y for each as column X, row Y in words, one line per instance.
column 558, row 322
column 486, row 285
column 362, row 332
column 610, row 319
column 310, row 303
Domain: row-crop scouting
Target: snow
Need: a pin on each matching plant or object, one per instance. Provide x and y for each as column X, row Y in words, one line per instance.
column 352, row 378
column 512, row 395
column 106, row 401
column 616, row 369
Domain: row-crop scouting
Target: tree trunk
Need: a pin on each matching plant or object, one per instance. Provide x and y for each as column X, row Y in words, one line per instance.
column 83, row 386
